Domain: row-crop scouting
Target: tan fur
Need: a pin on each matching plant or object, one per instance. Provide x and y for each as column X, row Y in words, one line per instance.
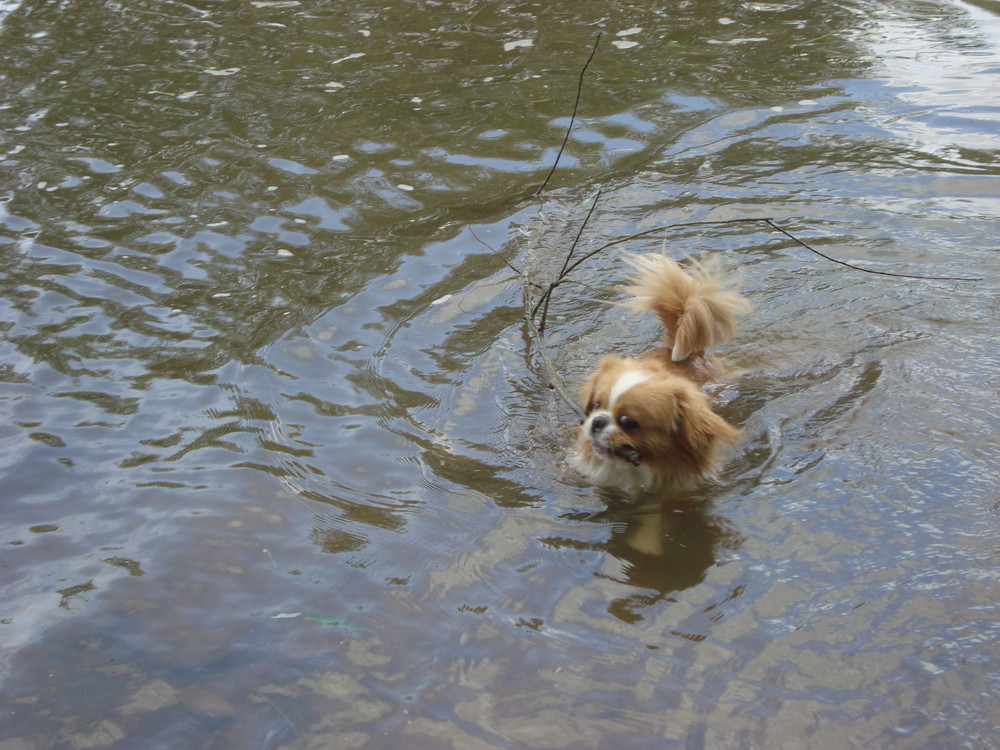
column 649, row 425
column 697, row 308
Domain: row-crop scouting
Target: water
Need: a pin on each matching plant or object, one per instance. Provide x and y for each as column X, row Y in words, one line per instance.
column 281, row 466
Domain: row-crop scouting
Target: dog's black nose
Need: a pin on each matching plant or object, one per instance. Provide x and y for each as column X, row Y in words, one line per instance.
column 598, row 423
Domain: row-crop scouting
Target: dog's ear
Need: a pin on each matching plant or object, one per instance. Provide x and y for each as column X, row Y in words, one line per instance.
column 701, row 431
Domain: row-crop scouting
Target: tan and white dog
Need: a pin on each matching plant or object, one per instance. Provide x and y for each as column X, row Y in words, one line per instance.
column 649, row 425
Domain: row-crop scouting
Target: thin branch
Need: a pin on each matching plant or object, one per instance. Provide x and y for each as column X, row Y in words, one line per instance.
column 620, row 240
column 542, row 305
column 550, row 370
column 543, row 301
column 576, row 240
column 795, row 239
column 572, row 119
column 568, row 268
column 776, row 227
column 497, row 253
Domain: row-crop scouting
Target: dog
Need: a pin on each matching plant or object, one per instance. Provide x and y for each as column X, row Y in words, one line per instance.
column 648, row 424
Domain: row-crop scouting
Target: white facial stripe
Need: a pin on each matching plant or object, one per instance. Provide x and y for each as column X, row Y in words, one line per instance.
column 626, row 381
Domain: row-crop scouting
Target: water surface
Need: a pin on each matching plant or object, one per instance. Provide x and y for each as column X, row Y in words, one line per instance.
column 281, row 464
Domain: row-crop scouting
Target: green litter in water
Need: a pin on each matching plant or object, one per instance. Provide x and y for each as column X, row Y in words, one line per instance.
column 333, row 621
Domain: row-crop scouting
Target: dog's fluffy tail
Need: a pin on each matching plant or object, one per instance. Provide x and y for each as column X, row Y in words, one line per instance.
column 697, row 307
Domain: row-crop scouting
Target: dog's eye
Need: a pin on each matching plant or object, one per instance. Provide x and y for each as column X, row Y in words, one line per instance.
column 627, row 423
column 595, row 405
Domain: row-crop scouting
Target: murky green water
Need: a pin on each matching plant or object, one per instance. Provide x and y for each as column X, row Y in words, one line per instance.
column 281, row 467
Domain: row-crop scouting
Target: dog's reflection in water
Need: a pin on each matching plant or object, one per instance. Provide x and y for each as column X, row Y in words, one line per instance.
column 660, row 548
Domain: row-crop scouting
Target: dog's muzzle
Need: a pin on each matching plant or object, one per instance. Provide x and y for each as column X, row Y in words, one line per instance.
column 625, row 452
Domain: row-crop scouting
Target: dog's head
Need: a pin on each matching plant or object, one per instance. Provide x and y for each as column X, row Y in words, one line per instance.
column 646, row 426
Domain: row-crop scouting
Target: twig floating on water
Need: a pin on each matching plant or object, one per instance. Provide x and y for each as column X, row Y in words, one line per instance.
column 576, row 240
column 496, row 253
column 774, row 225
column 542, row 305
column 572, row 119
column 543, row 301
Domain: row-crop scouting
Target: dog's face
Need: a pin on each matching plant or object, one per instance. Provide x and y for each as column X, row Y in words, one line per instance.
column 646, row 427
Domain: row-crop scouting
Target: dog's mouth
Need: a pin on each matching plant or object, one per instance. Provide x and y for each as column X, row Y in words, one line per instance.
column 624, row 452
column 630, row 454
